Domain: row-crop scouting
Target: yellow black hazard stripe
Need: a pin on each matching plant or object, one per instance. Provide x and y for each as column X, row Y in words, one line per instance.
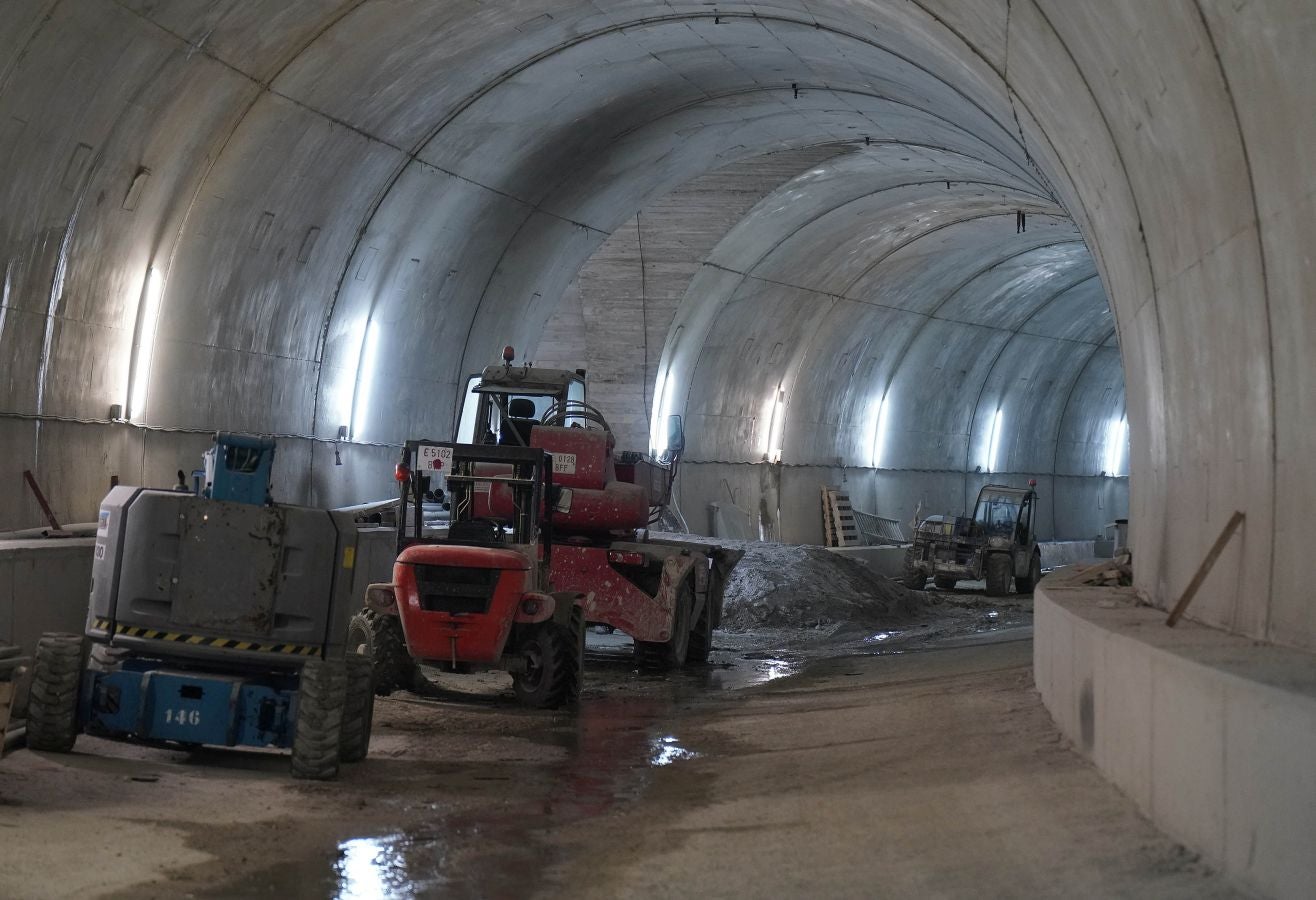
column 199, row 640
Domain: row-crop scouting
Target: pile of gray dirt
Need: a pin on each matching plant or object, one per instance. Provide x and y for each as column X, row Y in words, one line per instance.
column 786, row 585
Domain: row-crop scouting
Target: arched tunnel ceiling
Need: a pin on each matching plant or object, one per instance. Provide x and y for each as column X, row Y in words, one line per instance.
column 539, row 156
column 862, row 283
column 348, row 204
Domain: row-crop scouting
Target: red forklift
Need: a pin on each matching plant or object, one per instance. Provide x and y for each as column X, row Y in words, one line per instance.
column 477, row 595
column 665, row 594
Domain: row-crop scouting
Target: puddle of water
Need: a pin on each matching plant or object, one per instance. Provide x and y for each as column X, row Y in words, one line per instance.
column 390, row 867
column 667, row 750
column 771, row 670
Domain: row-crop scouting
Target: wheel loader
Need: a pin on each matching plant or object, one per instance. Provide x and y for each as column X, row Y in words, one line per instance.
column 665, row 594
column 216, row 618
column 997, row 543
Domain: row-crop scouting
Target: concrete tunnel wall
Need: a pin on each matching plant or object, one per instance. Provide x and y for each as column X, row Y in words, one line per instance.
column 349, row 205
column 623, row 303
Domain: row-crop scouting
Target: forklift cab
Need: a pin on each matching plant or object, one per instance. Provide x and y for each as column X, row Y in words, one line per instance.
column 1005, row 515
column 502, row 404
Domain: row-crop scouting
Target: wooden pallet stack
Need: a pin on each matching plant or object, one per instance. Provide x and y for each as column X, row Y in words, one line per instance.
column 840, row 527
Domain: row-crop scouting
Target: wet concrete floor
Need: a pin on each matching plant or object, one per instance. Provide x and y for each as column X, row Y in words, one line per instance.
column 912, row 761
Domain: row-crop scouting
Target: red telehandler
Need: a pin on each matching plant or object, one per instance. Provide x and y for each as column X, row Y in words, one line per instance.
column 593, row 539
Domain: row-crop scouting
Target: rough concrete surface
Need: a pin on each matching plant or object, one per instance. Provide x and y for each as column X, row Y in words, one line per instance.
column 902, row 767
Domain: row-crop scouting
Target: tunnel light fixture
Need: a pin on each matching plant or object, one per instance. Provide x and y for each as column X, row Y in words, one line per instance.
column 776, row 425
column 879, row 431
column 663, row 391
column 658, row 433
column 1117, row 434
column 365, row 378
column 994, row 444
column 148, row 318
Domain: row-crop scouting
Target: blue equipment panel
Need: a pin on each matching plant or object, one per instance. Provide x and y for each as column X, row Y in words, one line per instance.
column 157, row 704
column 238, row 468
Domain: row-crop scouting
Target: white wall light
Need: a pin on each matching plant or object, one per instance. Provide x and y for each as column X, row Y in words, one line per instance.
column 663, row 392
column 365, row 379
column 994, row 444
column 879, row 431
column 1117, row 434
column 776, row 425
column 657, row 430
column 139, row 368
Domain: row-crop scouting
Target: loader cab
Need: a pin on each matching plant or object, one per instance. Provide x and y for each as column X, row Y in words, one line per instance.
column 1005, row 514
column 502, row 404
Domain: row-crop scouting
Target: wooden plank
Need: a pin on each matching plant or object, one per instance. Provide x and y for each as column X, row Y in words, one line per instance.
column 1205, row 568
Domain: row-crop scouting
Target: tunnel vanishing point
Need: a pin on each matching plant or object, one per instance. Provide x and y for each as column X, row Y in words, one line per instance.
column 914, row 246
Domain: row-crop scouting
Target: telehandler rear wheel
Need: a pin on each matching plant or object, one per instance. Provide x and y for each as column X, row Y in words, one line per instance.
column 553, row 661
column 999, row 573
column 358, row 708
column 321, row 694
column 1028, row 583
column 701, row 638
column 380, row 637
column 658, row 656
column 52, row 707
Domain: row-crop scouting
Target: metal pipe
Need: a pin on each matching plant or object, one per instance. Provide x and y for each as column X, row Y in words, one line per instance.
column 82, row 529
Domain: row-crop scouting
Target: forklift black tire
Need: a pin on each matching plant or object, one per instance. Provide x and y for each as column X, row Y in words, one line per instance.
column 52, row 707
column 576, row 635
column 552, row 666
column 913, row 578
column 944, row 582
column 317, row 733
column 659, row 656
column 701, row 638
column 380, row 637
column 999, row 573
column 358, row 707
column 1028, row 583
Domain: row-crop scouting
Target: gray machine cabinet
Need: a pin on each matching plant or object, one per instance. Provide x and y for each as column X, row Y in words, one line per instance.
column 176, row 563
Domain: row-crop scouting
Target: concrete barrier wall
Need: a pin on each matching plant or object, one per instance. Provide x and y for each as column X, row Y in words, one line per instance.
column 788, row 498
column 44, row 585
column 1211, row 734
column 888, row 561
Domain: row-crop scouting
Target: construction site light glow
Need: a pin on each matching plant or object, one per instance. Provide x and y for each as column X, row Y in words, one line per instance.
column 994, row 445
column 879, row 432
column 776, row 425
column 143, row 354
column 657, row 428
column 365, row 379
column 1117, row 434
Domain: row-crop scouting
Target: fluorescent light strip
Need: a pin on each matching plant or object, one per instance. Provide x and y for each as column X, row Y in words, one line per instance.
column 994, row 445
column 657, row 433
column 144, row 352
column 879, row 433
column 1117, row 431
column 365, row 378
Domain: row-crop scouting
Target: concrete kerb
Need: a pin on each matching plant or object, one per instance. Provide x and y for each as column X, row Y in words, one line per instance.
column 1211, row 734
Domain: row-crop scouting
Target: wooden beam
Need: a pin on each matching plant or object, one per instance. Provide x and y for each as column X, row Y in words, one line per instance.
column 1205, row 568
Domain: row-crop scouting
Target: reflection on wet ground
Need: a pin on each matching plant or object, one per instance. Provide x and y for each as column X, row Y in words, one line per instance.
column 627, row 731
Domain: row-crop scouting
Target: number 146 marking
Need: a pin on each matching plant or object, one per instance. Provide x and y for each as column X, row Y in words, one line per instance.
column 183, row 716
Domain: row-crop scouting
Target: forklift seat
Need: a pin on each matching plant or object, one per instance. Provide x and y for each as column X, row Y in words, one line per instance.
column 521, row 417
